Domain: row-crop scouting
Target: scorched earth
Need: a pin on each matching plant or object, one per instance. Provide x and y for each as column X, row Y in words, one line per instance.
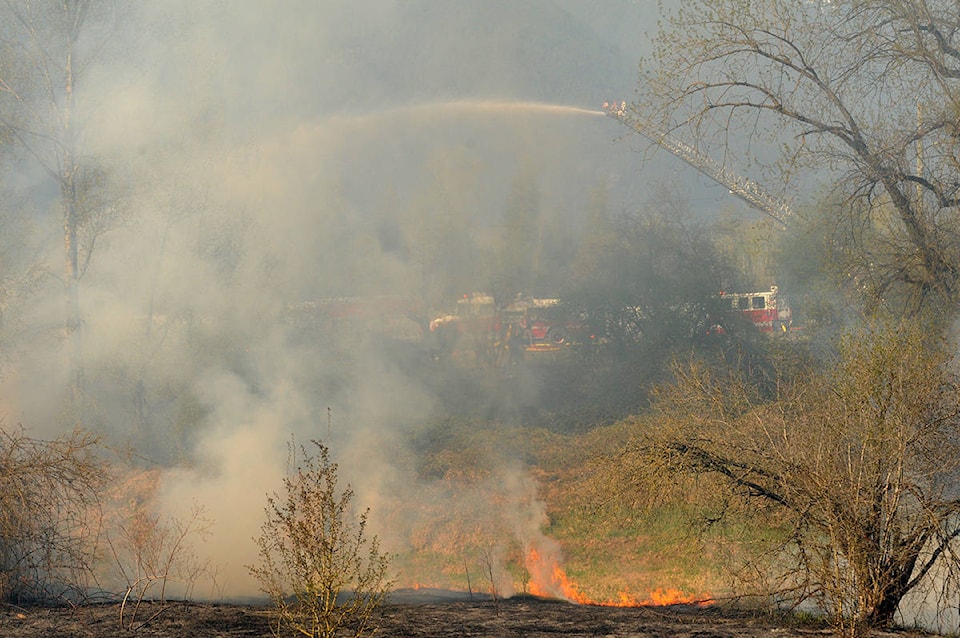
column 521, row 616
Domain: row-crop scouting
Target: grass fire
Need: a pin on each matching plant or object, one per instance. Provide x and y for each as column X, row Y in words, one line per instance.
column 551, row 581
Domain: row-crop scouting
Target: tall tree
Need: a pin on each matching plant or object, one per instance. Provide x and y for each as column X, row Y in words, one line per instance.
column 598, row 239
column 47, row 48
column 648, row 280
column 867, row 93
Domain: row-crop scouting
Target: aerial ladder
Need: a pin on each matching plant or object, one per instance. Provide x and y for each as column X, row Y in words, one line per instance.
column 743, row 187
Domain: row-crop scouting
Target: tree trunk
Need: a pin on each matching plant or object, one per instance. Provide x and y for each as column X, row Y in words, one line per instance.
column 73, row 324
column 897, row 581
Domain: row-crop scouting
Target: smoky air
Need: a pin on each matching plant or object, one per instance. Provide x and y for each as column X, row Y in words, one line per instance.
column 282, row 209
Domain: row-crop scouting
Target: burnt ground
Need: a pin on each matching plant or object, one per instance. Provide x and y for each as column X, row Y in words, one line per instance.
column 434, row 617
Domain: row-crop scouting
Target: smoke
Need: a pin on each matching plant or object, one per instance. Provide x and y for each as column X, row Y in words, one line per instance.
column 263, row 157
column 240, row 458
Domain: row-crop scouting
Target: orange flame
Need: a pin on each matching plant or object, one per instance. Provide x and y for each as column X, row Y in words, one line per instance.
column 549, row 580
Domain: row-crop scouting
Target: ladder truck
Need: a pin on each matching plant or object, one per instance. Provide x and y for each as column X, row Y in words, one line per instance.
column 768, row 310
column 743, row 187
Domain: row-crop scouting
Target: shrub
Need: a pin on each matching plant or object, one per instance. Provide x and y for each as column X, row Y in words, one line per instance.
column 316, row 563
column 50, row 515
column 857, row 464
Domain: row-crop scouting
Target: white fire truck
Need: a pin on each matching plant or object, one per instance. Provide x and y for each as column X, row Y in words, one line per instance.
column 768, row 310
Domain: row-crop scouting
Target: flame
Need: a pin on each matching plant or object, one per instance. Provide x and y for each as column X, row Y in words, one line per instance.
column 549, row 580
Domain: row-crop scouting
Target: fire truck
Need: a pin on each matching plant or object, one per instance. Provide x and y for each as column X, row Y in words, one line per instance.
column 615, row 108
column 768, row 310
column 350, row 319
column 496, row 333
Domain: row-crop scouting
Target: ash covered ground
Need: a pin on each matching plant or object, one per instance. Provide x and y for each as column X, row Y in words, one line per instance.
column 430, row 617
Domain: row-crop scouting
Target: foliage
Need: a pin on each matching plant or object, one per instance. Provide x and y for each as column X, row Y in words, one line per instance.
column 644, row 285
column 856, row 465
column 863, row 93
column 317, row 564
column 521, row 242
column 650, row 281
column 436, row 233
column 50, row 516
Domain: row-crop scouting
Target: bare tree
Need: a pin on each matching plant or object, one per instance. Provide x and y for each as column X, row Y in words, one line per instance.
column 855, row 467
column 50, row 516
column 865, row 93
column 47, row 48
column 317, row 564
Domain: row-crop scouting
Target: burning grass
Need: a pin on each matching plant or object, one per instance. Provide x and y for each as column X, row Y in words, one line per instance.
column 552, row 582
column 558, row 542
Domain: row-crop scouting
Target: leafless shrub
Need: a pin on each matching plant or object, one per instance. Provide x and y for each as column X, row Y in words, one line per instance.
column 50, row 515
column 152, row 554
column 491, row 563
column 317, row 564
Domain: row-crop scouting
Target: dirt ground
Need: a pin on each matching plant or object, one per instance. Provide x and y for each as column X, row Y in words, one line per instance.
column 517, row 617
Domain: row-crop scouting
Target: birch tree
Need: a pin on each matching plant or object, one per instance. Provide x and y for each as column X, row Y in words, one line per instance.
column 47, row 48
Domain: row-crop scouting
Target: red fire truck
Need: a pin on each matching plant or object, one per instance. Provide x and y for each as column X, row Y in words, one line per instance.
column 495, row 332
column 768, row 310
